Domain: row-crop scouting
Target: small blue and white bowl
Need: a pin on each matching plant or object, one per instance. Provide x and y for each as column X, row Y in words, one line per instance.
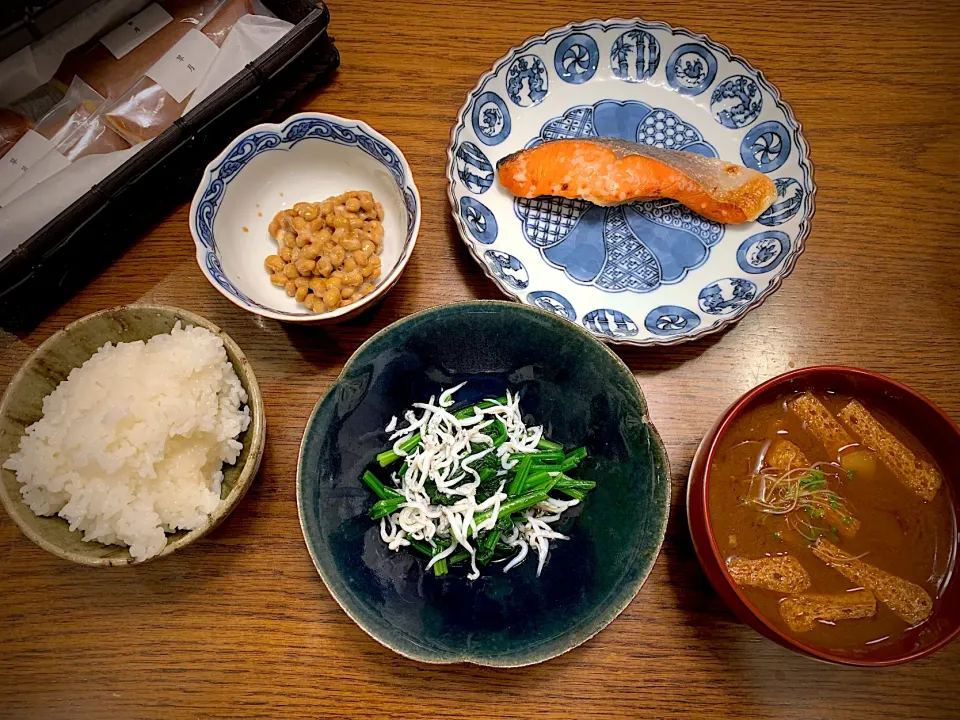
column 270, row 167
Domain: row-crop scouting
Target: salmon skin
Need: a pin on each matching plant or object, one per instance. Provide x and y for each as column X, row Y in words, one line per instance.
column 610, row 171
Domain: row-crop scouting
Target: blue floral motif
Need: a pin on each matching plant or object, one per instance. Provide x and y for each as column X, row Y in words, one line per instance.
column 507, row 268
column 491, row 119
column 636, row 247
column 725, row 296
column 249, row 147
column 669, row 320
column 645, row 51
column 552, row 302
column 527, row 70
column 691, row 69
column 410, row 201
column 577, row 122
column 473, row 168
column 664, row 129
column 612, row 323
column 576, row 58
column 766, row 147
column 788, row 203
column 216, row 271
column 762, row 252
column 481, row 223
column 242, row 153
column 325, row 130
column 736, row 102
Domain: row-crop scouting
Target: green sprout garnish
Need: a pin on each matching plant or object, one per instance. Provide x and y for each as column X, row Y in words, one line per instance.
column 802, row 497
column 814, row 481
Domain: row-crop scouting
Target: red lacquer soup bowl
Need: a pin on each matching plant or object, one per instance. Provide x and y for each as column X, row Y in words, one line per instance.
column 940, row 437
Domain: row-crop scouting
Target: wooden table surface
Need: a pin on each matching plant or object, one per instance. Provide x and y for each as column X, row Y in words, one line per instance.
column 242, row 626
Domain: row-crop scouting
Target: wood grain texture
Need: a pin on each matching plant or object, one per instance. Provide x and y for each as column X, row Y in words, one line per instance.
column 241, row 626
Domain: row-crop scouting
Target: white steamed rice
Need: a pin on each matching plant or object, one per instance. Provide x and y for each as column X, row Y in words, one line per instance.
column 131, row 444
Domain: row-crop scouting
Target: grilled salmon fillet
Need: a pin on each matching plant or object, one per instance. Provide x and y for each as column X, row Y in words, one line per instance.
column 610, row 171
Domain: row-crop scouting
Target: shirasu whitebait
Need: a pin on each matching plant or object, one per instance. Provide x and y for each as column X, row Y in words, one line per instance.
column 445, row 456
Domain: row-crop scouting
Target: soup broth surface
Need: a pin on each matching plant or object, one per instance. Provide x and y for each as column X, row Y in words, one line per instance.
column 899, row 532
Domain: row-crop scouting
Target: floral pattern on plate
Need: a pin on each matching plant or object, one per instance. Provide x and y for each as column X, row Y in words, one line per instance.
column 643, row 273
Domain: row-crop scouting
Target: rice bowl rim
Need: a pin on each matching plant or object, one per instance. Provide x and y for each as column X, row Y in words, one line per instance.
column 15, row 507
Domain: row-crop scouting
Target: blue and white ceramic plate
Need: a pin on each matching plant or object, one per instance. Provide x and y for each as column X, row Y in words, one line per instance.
column 650, row 273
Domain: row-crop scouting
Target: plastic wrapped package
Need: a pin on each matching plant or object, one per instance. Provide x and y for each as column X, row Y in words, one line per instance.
column 74, row 133
column 13, row 126
column 93, row 137
column 155, row 101
column 31, row 67
column 111, row 76
column 226, row 17
column 144, row 111
column 35, row 156
column 58, row 235
column 27, row 89
column 27, row 112
column 79, row 103
column 37, row 103
column 82, row 123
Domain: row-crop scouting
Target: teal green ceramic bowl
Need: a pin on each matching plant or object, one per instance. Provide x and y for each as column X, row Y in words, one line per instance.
column 569, row 382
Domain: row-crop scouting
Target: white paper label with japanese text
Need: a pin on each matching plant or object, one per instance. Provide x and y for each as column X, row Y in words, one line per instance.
column 47, row 166
column 30, row 148
column 183, row 67
column 134, row 31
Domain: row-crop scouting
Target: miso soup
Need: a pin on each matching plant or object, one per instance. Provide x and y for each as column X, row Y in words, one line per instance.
column 834, row 521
